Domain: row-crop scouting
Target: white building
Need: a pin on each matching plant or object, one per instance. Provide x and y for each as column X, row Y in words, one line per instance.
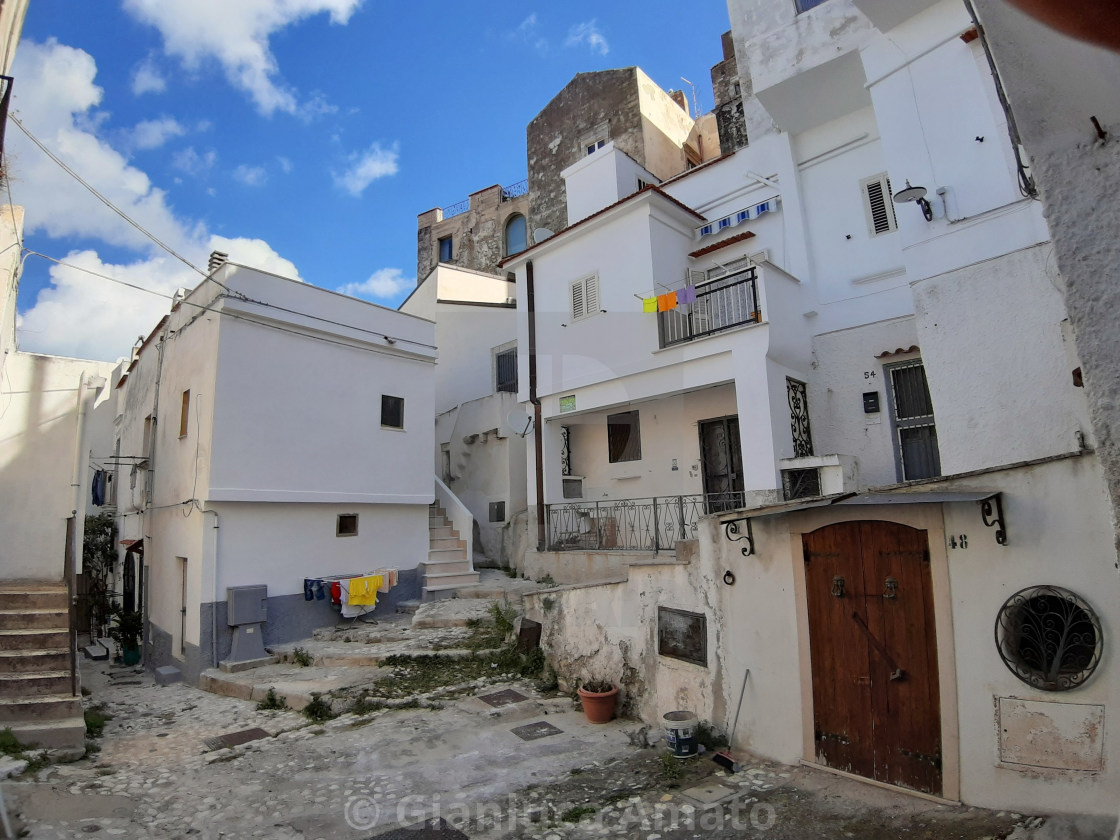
column 480, row 459
column 276, row 432
column 873, row 399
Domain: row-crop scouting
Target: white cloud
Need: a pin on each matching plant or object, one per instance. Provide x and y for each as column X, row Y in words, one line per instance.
column 151, row 134
column 193, row 163
column 366, row 167
column 285, row 164
column 383, row 284
column 252, row 176
column 146, row 78
column 79, row 314
column 237, row 35
column 587, row 33
column 527, row 32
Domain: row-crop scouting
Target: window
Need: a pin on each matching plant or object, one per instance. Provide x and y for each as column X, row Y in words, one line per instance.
column 516, row 238
column 572, row 487
column 505, row 371
column 643, row 183
column 445, row 462
column 1049, row 637
column 912, row 415
column 185, row 414
column 346, row 525
column 877, row 204
column 392, row 411
column 806, row 5
column 445, row 254
column 624, row 439
column 585, row 297
column 497, row 511
column 595, row 145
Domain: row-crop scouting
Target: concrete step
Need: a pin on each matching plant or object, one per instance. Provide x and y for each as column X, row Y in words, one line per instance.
column 408, row 607
column 438, row 580
column 30, row 661
column 437, row 521
column 33, row 639
column 460, row 564
column 436, row 543
column 437, row 590
column 52, row 734
column 437, row 554
column 41, row 684
column 46, row 707
column 29, row 597
column 442, row 533
column 41, row 618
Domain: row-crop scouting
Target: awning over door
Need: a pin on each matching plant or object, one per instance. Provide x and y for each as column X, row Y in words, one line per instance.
column 131, row 546
column 991, row 509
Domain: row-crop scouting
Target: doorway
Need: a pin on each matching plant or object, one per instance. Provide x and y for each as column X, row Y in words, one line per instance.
column 721, row 463
column 873, row 649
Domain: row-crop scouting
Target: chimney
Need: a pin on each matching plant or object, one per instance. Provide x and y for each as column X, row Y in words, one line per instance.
column 217, row 260
column 679, row 97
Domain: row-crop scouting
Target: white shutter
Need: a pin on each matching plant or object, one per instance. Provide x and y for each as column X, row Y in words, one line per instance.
column 578, row 309
column 591, row 295
column 878, row 205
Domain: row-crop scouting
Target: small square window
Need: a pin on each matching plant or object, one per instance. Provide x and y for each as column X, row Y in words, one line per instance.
column 594, row 146
column 346, row 525
column 624, row 440
column 392, row 411
column 497, row 511
column 185, row 414
column 445, row 254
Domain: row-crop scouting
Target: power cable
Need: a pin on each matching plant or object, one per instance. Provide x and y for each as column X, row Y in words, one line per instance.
column 101, row 197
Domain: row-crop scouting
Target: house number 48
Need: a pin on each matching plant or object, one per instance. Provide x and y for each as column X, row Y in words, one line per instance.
column 958, row 541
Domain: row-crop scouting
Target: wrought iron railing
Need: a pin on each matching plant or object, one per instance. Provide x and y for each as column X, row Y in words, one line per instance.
column 650, row 524
column 514, row 190
column 455, row 209
column 720, row 305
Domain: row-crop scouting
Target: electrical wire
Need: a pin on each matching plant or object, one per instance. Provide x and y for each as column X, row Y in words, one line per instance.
column 99, row 274
column 66, row 168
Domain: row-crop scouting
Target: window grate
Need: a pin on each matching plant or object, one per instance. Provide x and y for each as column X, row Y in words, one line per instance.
column 801, row 484
column 624, row 439
column 505, row 364
column 912, row 413
column 392, row 411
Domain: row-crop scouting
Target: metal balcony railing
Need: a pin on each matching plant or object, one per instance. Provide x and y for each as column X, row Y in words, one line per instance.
column 650, row 524
column 455, row 209
column 720, row 305
column 514, row 190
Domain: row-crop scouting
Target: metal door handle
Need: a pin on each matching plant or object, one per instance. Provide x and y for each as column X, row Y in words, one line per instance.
column 892, row 589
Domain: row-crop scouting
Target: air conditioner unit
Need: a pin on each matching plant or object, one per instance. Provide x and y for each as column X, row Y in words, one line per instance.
column 573, row 487
column 818, row 475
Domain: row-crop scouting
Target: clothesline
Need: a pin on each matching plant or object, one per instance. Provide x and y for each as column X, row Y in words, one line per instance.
column 354, row 595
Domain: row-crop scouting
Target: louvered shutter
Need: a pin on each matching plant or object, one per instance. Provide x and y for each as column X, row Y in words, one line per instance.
column 591, row 295
column 578, row 309
column 878, row 205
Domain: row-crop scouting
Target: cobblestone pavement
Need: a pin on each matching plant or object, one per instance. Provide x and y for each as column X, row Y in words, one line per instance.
column 359, row 777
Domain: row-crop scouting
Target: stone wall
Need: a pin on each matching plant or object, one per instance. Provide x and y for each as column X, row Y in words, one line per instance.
column 477, row 236
column 608, row 100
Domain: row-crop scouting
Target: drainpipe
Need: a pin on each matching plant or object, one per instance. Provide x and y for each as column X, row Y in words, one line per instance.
column 538, row 443
column 214, row 608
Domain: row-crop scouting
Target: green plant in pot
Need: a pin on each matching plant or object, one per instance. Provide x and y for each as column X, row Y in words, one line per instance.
column 599, row 698
column 126, row 629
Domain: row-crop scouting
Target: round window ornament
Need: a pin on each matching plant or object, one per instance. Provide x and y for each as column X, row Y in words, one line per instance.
column 1049, row 637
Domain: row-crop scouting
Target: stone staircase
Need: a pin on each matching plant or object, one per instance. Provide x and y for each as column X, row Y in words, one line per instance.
column 35, row 692
column 447, row 569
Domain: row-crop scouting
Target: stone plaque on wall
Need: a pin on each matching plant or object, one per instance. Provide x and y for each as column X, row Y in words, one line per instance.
column 682, row 635
column 1062, row 736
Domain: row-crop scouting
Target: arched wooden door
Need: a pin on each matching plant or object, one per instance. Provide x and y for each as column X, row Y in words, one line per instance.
column 876, row 705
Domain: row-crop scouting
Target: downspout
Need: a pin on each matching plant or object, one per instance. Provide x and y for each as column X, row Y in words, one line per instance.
column 538, row 444
column 214, row 608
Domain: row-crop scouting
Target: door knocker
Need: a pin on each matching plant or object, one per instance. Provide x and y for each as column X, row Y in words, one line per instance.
column 892, row 589
column 838, row 586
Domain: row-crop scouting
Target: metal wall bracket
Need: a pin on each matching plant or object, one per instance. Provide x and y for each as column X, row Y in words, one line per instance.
column 991, row 511
column 733, row 532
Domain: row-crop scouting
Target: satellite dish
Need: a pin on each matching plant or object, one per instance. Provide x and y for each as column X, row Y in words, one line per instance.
column 909, row 194
column 541, row 234
column 519, row 422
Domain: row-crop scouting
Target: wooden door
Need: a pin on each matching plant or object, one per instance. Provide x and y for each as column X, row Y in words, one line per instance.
column 873, row 647
column 721, row 460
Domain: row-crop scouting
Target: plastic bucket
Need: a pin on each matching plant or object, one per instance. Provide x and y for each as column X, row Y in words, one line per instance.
column 680, row 733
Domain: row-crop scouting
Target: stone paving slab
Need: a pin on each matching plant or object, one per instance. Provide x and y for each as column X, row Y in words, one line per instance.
column 452, row 612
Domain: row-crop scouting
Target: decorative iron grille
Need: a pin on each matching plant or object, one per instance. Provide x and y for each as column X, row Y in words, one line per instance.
column 801, row 484
column 457, row 208
column 799, row 418
column 650, row 524
column 1049, row 637
column 565, row 450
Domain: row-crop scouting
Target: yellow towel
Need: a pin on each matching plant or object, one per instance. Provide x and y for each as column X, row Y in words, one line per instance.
column 363, row 590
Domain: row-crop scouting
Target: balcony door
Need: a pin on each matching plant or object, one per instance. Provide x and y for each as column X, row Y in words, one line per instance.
column 721, row 462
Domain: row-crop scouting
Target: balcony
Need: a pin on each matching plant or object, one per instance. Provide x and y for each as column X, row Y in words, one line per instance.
column 722, row 304
column 650, row 524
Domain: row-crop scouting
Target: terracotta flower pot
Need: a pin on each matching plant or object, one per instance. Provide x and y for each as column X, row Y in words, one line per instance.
column 599, row 705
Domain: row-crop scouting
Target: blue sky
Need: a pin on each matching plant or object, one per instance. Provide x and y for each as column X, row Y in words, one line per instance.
column 301, row 136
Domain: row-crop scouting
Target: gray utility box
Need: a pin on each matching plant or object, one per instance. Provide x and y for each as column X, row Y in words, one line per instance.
column 246, row 613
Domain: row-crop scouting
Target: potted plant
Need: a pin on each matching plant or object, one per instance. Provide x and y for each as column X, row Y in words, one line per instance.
column 126, row 629
column 599, row 699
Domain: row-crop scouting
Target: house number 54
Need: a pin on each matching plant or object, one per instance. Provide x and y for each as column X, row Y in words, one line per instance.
column 958, row 541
